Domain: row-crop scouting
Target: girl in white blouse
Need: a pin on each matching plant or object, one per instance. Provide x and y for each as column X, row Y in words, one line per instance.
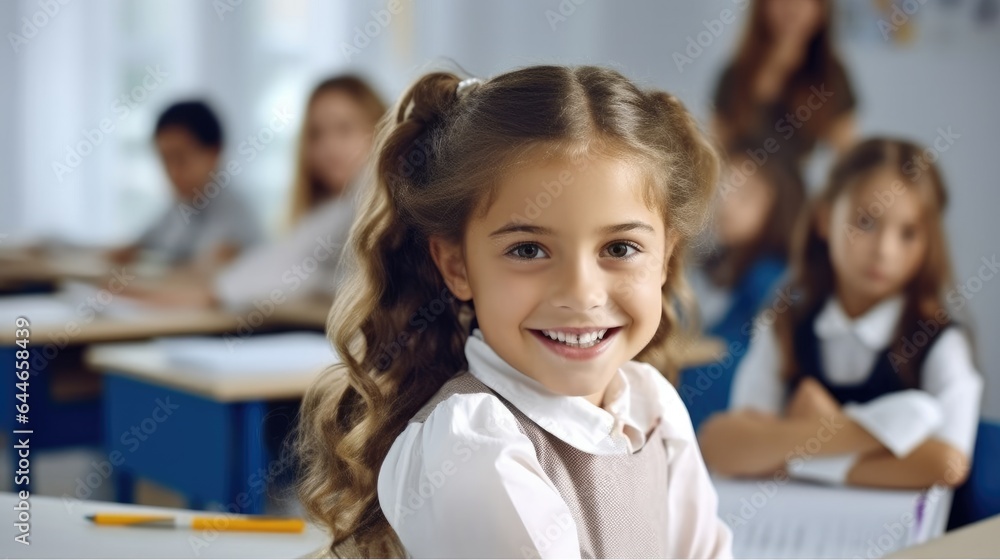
column 334, row 144
column 865, row 379
column 520, row 246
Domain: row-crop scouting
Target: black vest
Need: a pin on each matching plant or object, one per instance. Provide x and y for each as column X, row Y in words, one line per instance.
column 881, row 380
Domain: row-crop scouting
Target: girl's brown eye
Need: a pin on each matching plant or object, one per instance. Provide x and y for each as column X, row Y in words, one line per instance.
column 527, row 251
column 622, row 250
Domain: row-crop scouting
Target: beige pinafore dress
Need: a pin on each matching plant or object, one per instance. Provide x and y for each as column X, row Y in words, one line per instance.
column 618, row 502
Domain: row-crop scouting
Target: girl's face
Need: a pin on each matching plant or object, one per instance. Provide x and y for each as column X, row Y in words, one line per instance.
column 338, row 139
column 877, row 238
column 795, row 20
column 743, row 208
column 566, row 272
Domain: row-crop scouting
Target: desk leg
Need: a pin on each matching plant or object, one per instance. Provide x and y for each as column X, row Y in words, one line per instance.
column 254, row 457
column 56, row 423
column 124, row 487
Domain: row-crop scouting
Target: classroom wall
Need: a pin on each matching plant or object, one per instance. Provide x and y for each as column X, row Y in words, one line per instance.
column 243, row 58
column 8, row 148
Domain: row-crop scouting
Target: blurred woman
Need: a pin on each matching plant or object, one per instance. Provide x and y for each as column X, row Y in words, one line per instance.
column 336, row 140
column 786, row 83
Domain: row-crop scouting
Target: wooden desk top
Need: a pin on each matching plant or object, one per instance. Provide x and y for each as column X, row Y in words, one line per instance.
column 303, row 312
column 63, row 324
column 58, row 529
column 27, row 265
column 147, row 362
column 979, row 540
column 53, row 320
column 690, row 352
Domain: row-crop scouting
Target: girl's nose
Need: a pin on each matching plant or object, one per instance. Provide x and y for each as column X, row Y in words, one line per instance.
column 580, row 285
column 886, row 244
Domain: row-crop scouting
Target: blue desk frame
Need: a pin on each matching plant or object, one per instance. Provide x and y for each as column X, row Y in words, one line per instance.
column 214, row 448
column 55, row 424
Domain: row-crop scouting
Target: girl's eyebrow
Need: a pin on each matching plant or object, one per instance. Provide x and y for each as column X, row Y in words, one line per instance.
column 541, row 230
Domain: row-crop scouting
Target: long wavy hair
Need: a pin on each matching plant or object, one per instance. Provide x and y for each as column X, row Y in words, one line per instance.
column 813, row 276
column 820, row 65
column 400, row 334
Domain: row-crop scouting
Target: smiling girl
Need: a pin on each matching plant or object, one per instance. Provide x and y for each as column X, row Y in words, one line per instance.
column 520, row 247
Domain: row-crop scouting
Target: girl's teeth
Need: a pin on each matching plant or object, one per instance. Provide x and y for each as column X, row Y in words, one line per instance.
column 583, row 340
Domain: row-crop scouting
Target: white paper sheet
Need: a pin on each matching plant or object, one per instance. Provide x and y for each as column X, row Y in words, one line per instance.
column 800, row 520
column 234, row 356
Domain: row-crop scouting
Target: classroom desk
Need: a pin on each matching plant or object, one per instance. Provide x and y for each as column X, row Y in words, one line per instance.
column 59, row 530
column 206, row 441
column 305, row 312
column 58, row 331
column 76, row 330
column 26, row 265
column 143, row 362
column 979, row 540
column 89, row 328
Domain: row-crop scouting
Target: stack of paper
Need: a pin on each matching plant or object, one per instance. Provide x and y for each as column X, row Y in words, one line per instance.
column 789, row 519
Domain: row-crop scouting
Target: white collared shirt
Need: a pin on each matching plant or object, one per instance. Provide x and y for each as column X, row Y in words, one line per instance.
column 302, row 264
column 467, row 483
column 945, row 407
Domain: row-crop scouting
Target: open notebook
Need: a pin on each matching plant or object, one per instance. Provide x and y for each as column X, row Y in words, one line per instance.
column 805, row 520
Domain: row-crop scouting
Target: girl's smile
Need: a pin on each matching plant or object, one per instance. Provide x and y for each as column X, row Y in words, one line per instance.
column 577, row 343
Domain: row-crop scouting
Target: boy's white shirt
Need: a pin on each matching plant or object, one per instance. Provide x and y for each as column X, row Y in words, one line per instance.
column 467, row 483
column 946, row 406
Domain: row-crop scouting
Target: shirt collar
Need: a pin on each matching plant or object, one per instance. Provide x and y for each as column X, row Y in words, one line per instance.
column 574, row 420
column 874, row 329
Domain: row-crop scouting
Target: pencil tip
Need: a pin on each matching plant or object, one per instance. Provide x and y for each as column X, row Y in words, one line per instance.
column 89, row 517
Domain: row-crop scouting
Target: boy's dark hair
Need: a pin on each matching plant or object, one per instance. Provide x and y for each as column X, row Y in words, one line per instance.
column 195, row 117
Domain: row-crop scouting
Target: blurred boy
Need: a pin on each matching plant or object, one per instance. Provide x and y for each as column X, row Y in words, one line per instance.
column 208, row 223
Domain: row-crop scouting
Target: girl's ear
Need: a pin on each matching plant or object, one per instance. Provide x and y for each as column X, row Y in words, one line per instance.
column 823, row 221
column 450, row 262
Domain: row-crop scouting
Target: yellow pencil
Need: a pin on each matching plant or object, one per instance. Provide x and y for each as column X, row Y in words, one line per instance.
column 216, row 522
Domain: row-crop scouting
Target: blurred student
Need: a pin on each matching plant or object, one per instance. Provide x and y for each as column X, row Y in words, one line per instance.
column 200, row 229
column 786, row 83
column 755, row 213
column 867, row 359
column 334, row 146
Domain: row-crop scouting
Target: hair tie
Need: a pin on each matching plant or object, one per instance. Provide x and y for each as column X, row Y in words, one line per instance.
column 466, row 86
